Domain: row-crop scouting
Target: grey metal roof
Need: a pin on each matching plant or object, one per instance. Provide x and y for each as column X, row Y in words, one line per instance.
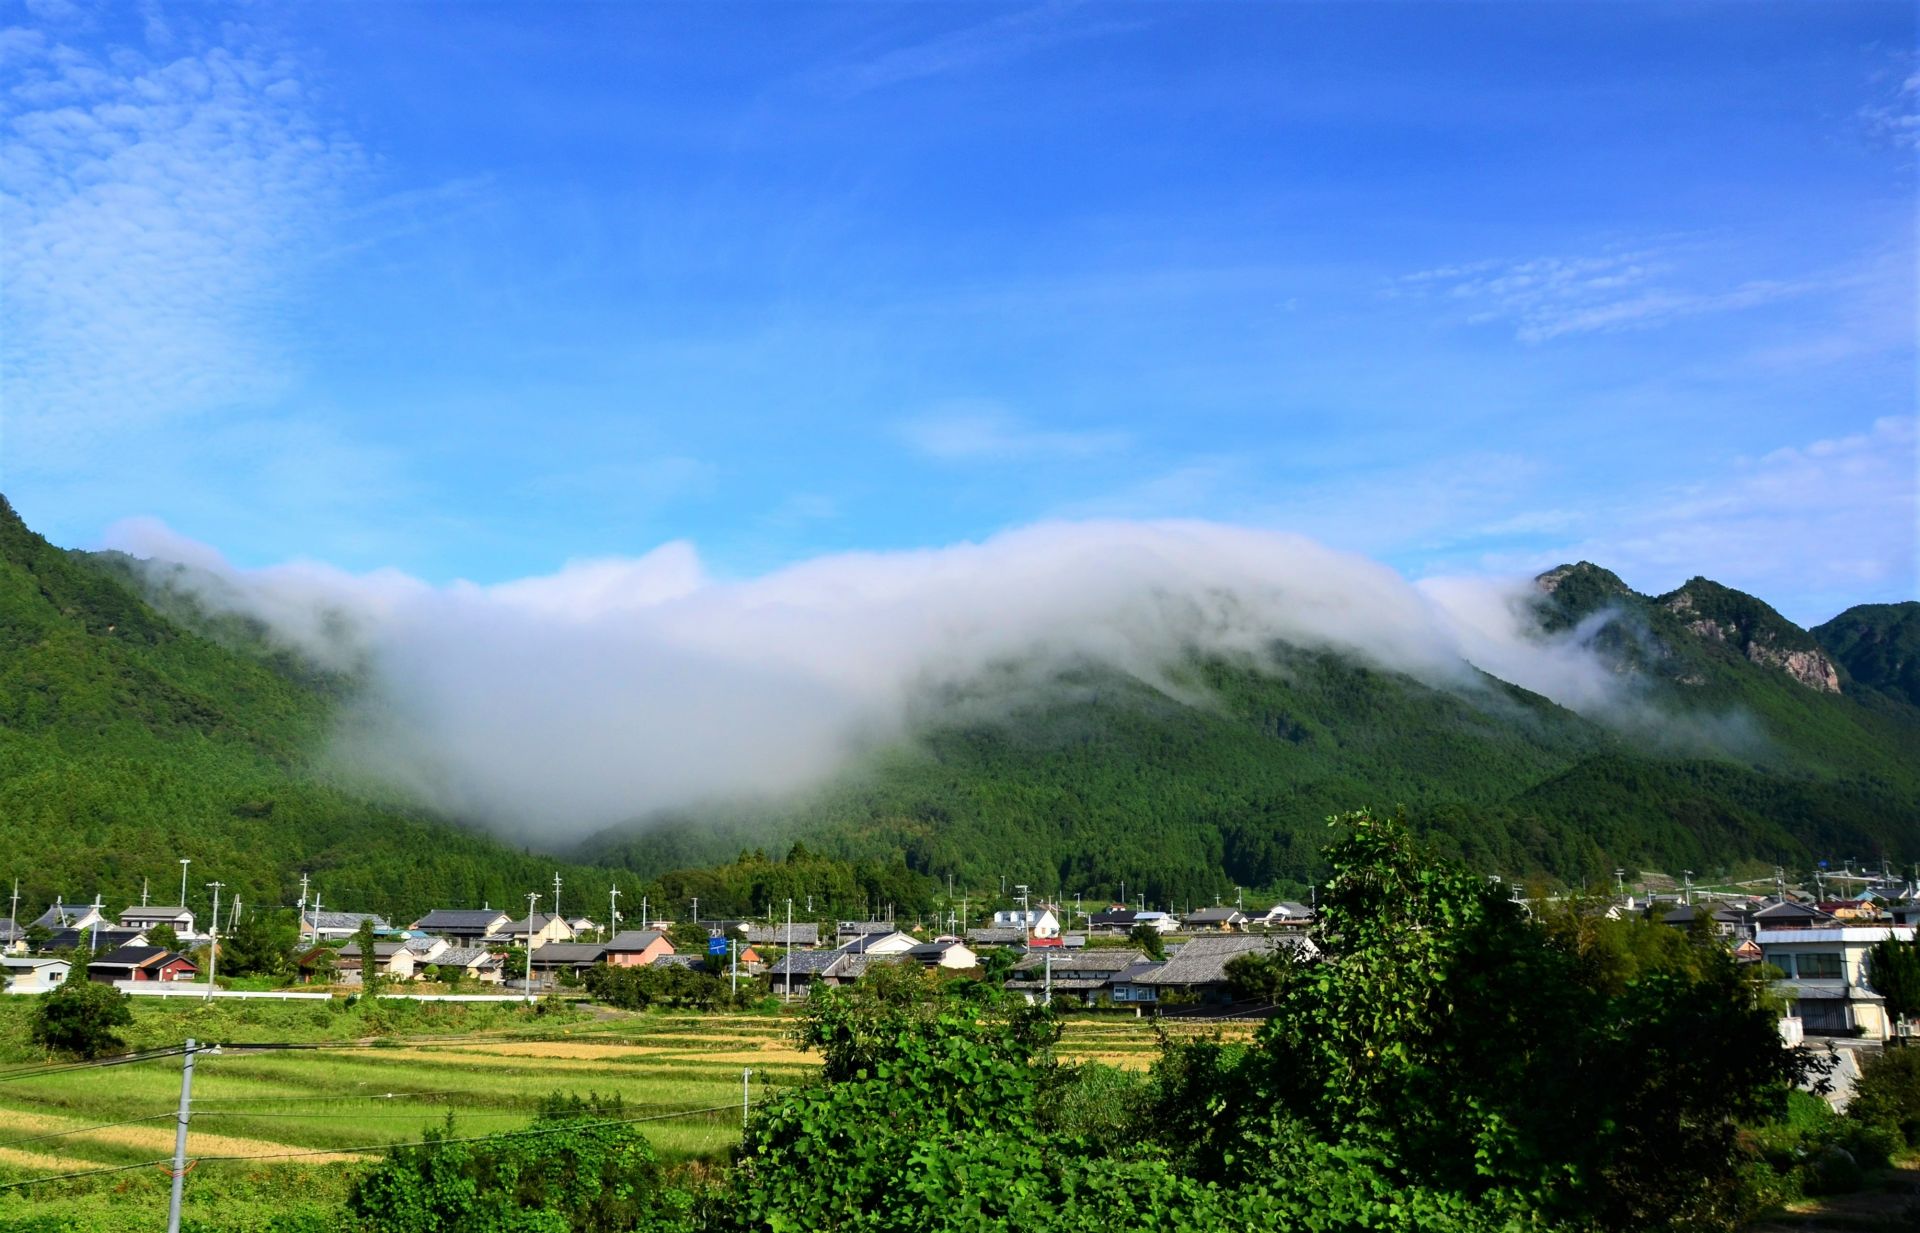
column 1214, row 916
column 1203, row 961
column 465, row 919
column 849, row 928
column 630, row 941
column 154, row 912
column 998, row 937
column 464, row 956
column 568, row 954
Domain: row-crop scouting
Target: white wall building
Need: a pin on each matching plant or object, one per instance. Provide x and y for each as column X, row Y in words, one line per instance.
column 1824, row 972
column 1039, row 922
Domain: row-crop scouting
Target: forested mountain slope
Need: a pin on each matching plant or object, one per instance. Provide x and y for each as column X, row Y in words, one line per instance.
column 1738, row 747
column 1879, row 645
column 127, row 743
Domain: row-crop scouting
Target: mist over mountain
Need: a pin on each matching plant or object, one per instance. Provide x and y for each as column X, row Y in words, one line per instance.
column 1172, row 706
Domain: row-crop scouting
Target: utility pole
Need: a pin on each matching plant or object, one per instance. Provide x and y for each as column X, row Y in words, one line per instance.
column 643, row 911
column 1047, row 959
column 1687, row 890
column 143, row 890
column 789, row 993
column 213, row 944
column 533, row 897
column 180, row 1137
column 613, row 910
column 13, row 916
column 733, row 955
column 556, row 892
column 744, row 1102
column 93, row 934
column 184, row 862
column 696, row 909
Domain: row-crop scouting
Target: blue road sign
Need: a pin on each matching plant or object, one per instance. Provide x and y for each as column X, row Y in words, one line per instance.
column 716, row 946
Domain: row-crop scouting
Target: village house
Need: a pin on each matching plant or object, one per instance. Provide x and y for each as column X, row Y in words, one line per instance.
column 1040, row 922
column 1125, row 987
column 1216, row 919
column 781, row 934
column 1086, row 977
column 146, row 917
column 1283, row 915
column 540, row 929
column 141, row 963
column 93, row 940
column 425, row 949
column 34, row 974
column 68, row 916
column 317, row 927
column 1159, row 922
column 636, row 948
column 13, row 938
column 575, row 957
column 1199, row 968
column 474, row 963
column 391, row 961
column 1112, row 920
column 859, row 928
column 997, row 937
column 1825, row 974
column 950, row 953
column 468, row 925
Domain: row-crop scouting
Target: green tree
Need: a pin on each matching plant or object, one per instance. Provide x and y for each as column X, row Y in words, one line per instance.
column 579, row 1168
column 1447, row 1046
column 369, row 962
column 261, row 945
column 1893, row 968
column 78, row 1019
column 1149, row 940
column 163, row 936
column 688, row 937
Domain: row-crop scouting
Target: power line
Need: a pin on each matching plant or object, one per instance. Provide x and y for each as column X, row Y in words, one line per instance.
column 81, row 1130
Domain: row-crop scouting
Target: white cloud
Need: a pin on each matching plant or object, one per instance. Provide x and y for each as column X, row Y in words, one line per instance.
column 1553, row 297
column 155, row 210
column 559, row 704
column 982, row 432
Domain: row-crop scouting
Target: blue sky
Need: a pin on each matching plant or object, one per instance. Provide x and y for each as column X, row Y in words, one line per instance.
column 471, row 290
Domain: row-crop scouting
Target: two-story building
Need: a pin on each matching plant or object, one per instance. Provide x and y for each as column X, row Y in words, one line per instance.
column 1040, row 922
column 1825, row 974
column 145, row 917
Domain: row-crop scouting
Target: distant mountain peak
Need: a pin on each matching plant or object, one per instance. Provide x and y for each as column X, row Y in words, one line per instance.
column 1717, row 613
column 1586, row 573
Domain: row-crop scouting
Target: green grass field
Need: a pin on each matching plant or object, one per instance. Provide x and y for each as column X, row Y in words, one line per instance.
column 356, row 1089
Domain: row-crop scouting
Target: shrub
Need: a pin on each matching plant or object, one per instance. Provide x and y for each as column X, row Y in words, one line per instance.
column 1888, row 1093
column 78, row 1019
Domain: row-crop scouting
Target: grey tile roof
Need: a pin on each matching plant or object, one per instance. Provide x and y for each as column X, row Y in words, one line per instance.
column 344, row 920
column 851, row 928
column 1137, row 973
column 1214, row 916
column 804, row 963
column 777, row 935
column 998, row 937
column 1203, row 961
column 1080, row 963
column 678, row 961
column 533, row 924
column 465, row 956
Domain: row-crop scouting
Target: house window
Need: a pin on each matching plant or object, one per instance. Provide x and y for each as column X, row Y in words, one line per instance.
column 1813, row 965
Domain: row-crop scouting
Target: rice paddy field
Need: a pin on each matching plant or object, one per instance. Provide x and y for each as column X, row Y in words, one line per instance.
column 277, row 1133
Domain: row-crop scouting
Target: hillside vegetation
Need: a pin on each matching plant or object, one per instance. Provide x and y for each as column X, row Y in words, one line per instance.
column 130, row 737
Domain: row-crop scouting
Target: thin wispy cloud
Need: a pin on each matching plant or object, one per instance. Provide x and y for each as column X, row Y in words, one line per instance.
column 1832, row 521
column 981, row 45
column 155, row 211
column 1545, row 298
column 970, row 432
column 1896, row 118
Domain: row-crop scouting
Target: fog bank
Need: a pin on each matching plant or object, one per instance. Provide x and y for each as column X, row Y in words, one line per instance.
column 553, row 706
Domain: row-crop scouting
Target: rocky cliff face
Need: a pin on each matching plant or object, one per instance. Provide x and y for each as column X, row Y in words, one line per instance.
column 1762, row 640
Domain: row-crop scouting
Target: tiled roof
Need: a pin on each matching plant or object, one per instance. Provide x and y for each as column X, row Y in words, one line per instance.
column 778, row 935
column 1204, row 960
column 568, row 954
column 1081, row 962
column 344, row 920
